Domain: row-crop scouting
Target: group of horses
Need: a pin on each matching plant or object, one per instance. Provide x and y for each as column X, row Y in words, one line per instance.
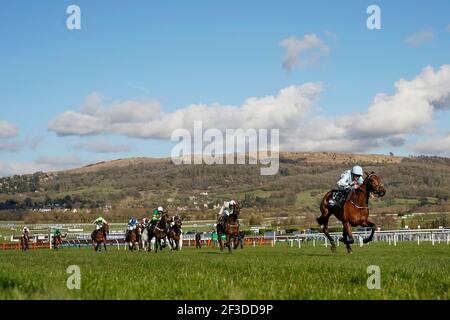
column 354, row 212
column 165, row 229
column 25, row 241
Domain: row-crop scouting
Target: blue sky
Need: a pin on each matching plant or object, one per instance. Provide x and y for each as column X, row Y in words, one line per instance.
column 179, row 53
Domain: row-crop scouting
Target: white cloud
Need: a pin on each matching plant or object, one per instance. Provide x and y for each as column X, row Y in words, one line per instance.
column 102, row 146
column 16, row 145
column 388, row 120
column 439, row 145
column 44, row 164
column 10, row 169
column 59, row 162
column 420, row 38
column 10, row 146
column 94, row 118
column 8, row 130
column 147, row 120
column 303, row 53
column 408, row 110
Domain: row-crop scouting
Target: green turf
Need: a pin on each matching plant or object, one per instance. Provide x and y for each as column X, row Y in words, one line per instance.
column 408, row 271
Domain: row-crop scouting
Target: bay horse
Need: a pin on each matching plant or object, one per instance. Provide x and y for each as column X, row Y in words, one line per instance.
column 159, row 231
column 230, row 227
column 133, row 238
column 98, row 237
column 354, row 212
column 24, row 241
column 174, row 233
column 57, row 242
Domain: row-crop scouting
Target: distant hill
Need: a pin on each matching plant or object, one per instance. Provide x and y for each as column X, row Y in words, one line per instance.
column 412, row 183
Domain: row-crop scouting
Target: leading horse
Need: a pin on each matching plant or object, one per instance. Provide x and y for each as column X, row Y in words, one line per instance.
column 354, row 212
column 230, row 227
column 98, row 237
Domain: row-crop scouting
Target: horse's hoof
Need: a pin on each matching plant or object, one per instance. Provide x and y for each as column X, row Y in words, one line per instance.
column 351, row 241
column 341, row 239
column 333, row 248
column 350, row 251
column 366, row 240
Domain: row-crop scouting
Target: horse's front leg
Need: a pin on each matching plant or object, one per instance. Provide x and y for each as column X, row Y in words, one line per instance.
column 348, row 231
column 371, row 225
column 219, row 238
column 348, row 238
column 236, row 241
column 228, row 244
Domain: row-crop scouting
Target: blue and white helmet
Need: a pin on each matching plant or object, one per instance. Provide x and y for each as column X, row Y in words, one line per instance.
column 357, row 171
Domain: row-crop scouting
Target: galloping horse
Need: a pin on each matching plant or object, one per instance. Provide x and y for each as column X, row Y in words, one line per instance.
column 24, row 241
column 57, row 242
column 145, row 243
column 175, row 233
column 133, row 238
column 230, row 227
column 159, row 231
column 99, row 236
column 355, row 211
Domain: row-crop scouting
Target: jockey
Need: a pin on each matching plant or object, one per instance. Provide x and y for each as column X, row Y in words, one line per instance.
column 132, row 224
column 157, row 213
column 99, row 222
column 25, row 231
column 56, row 233
column 350, row 180
column 226, row 210
column 145, row 221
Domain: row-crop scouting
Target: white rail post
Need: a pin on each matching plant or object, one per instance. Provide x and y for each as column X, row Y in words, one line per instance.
column 432, row 238
column 118, row 245
column 314, row 242
column 448, row 239
column 299, row 246
column 389, row 240
column 360, row 241
column 395, row 239
column 336, row 240
column 418, row 239
column 50, row 239
column 326, row 242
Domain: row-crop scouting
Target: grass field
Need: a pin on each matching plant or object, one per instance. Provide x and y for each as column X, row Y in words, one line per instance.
column 408, row 271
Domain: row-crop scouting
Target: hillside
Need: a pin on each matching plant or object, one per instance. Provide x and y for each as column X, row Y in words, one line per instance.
column 413, row 184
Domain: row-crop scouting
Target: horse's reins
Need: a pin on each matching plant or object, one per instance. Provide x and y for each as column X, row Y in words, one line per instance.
column 356, row 206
